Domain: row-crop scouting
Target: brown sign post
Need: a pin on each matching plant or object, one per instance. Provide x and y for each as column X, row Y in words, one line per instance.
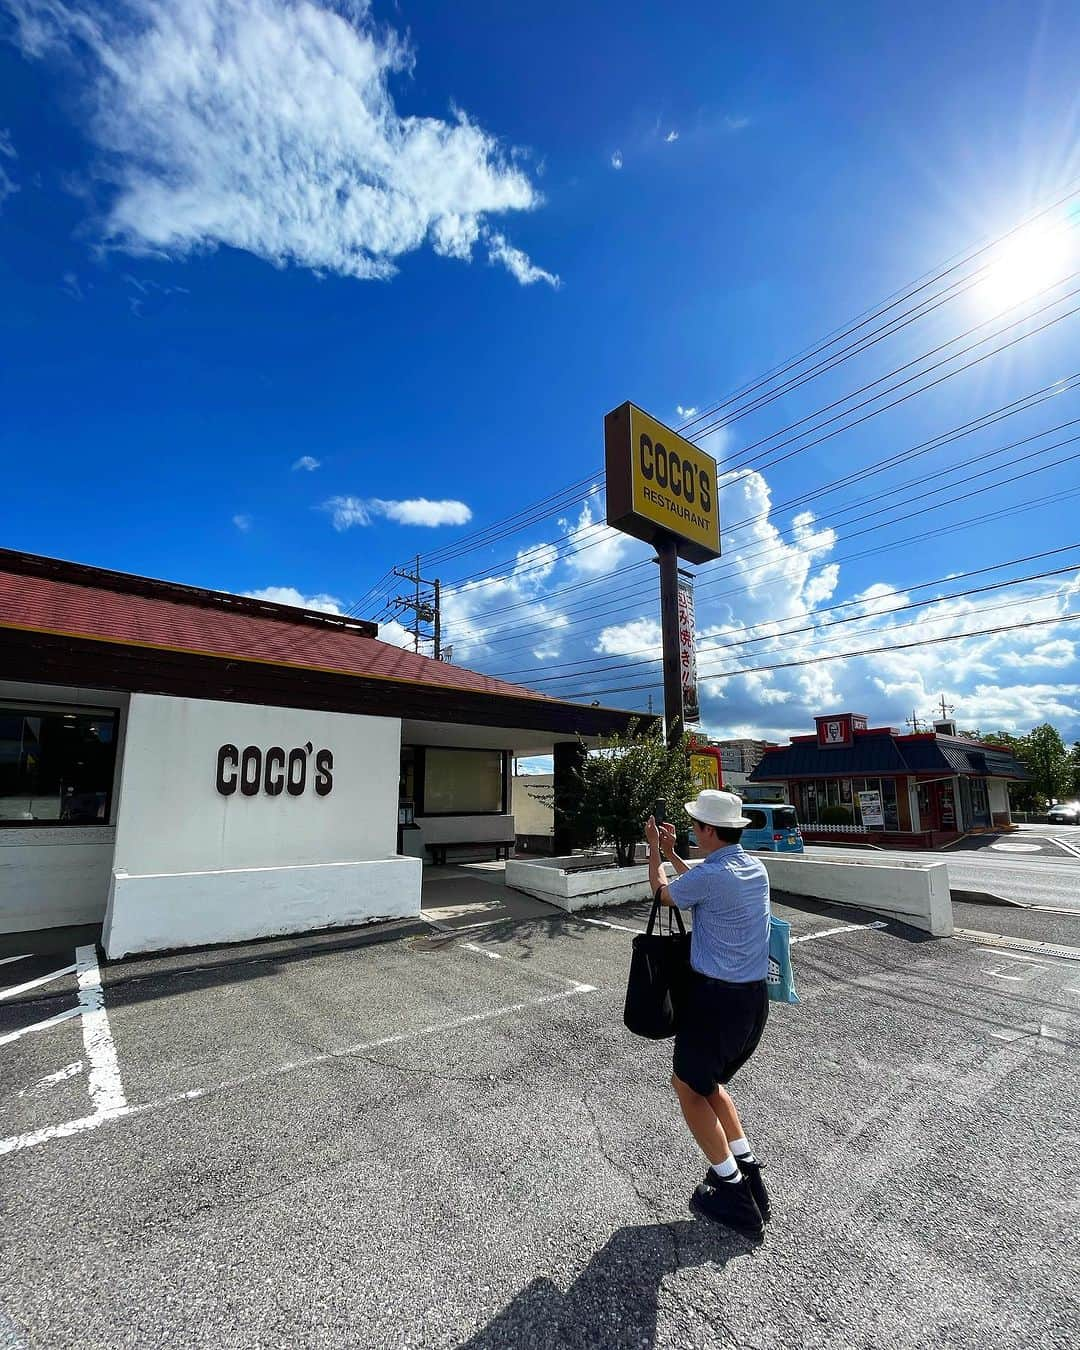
column 662, row 488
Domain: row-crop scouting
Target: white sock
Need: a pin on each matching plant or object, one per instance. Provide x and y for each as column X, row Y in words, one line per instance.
column 741, row 1149
column 728, row 1170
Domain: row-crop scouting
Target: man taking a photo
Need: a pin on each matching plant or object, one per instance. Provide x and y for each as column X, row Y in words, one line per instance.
column 722, row 1012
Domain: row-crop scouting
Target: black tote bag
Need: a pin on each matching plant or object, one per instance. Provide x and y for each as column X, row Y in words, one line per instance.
column 659, row 971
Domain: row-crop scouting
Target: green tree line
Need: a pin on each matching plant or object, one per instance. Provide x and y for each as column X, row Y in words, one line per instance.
column 1054, row 768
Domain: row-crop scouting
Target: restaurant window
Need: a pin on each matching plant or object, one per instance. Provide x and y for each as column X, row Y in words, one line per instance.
column 56, row 765
column 463, row 782
column 980, row 804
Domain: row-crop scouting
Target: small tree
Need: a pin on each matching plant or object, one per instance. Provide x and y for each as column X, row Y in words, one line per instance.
column 1074, row 768
column 618, row 783
column 1047, row 761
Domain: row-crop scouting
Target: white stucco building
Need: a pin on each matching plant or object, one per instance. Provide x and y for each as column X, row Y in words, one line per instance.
column 185, row 766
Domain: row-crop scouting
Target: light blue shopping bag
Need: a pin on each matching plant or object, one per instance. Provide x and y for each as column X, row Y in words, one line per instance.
column 780, row 980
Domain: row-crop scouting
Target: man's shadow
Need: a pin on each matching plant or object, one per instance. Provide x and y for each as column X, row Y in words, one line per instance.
column 613, row 1302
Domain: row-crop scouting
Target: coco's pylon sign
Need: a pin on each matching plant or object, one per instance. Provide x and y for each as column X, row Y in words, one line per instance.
column 660, row 486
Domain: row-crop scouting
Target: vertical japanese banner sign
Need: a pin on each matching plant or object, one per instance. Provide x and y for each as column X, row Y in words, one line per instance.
column 687, row 651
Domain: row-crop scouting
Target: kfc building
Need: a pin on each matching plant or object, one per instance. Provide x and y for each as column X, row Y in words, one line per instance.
column 915, row 790
column 186, row 766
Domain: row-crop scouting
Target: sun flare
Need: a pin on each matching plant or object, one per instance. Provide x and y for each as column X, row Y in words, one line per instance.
column 1028, row 264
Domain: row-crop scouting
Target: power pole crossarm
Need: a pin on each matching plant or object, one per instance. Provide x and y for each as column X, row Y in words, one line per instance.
column 425, row 609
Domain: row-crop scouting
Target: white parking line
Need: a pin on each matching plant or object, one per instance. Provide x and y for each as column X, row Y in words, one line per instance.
column 602, row 923
column 35, row 984
column 1069, row 845
column 106, row 1091
column 16, row 1143
column 576, row 986
column 40, row 1026
column 807, row 937
column 68, row 1071
column 6, row 960
column 831, row 932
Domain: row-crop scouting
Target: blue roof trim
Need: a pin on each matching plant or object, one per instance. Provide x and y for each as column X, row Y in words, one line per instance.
column 883, row 754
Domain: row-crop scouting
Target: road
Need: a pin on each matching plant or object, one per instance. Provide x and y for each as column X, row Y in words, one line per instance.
column 448, row 1141
column 1033, row 866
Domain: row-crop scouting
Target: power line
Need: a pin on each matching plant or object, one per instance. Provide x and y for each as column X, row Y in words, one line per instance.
column 897, row 298
column 736, row 642
column 982, row 518
column 739, row 475
column 778, row 547
column 981, row 423
column 848, row 656
column 828, row 609
column 1023, row 404
column 457, row 549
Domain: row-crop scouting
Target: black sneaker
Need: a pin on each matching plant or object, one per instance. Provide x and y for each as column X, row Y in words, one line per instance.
column 752, row 1172
column 731, row 1204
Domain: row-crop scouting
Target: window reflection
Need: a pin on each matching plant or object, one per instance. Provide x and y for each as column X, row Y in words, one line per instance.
column 56, row 765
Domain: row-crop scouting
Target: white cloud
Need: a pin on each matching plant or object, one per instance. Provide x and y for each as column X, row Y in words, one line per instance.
column 685, row 413
column 8, row 186
column 308, row 462
column 822, row 586
column 70, row 286
column 592, row 549
column 348, row 511
column 269, row 126
column 289, row 595
column 534, row 565
column 395, row 634
column 617, row 160
column 1060, row 652
column 420, row 511
column 641, row 637
column 735, row 122
column 671, row 137
column 517, row 263
column 243, row 523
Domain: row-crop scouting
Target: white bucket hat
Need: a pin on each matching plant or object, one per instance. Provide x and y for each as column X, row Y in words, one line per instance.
column 722, row 809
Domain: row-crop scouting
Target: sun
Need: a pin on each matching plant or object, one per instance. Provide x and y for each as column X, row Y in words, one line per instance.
column 1027, row 264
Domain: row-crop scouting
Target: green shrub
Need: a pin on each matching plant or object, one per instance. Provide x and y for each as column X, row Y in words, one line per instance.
column 836, row 815
column 618, row 783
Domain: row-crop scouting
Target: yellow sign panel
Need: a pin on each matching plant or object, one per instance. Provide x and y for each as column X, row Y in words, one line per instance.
column 704, row 772
column 659, row 484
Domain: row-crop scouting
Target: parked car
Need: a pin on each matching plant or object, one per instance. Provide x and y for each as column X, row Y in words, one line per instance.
column 1064, row 813
column 774, row 828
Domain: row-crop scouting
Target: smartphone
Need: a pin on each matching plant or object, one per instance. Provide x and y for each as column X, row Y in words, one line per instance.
column 659, row 810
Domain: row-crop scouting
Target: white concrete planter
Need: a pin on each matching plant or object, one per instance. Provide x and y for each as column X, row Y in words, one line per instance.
column 914, row 891
column 576, row 882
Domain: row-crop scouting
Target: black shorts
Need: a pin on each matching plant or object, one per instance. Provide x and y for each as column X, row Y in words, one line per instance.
column 720, row 1025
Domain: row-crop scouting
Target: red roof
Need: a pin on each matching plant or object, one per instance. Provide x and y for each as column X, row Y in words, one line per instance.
column 207, row 625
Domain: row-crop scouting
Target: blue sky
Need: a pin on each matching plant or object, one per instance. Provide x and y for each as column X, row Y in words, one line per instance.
column 294, row 292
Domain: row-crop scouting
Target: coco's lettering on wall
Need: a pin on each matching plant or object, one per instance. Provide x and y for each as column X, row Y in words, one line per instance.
column 274, row 771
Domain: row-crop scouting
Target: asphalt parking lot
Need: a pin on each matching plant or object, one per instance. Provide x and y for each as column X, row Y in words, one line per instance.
column 449, row 1140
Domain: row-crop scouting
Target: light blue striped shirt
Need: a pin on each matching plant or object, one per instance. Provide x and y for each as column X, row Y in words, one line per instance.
column 729, row 896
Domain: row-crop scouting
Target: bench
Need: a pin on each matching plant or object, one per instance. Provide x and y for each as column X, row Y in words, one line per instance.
column 445, row 832
column 438, row 851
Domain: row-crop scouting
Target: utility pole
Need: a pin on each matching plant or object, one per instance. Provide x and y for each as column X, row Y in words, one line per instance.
column 946, row 709
column 425, row 610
